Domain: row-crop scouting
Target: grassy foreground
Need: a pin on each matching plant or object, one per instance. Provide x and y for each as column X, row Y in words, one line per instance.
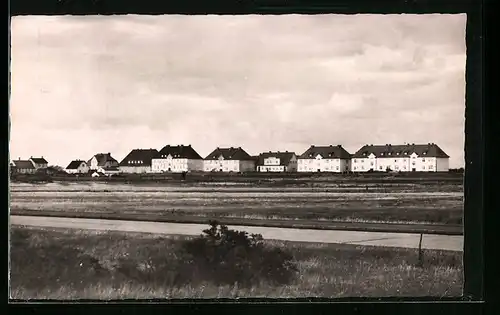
column 74, row 264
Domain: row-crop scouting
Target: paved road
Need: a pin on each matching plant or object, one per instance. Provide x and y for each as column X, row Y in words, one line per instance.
column 408, row 240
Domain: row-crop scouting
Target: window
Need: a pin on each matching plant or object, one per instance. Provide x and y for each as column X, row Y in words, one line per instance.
column 355, row 167
column 412, row 163
column 362, row 167
column 395, row 160
column 380, row 168
column 390, row 153
column 396, row 167
column 431, row 167
column 397, row 153
column 382, row 153
column 404, row 167
column 337, row 168
column 371, row 163
column 355, row 161
column 423, row 159
column 423, row 167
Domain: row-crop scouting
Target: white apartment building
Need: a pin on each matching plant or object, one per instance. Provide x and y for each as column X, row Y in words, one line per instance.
column 177, row 159
column 277, row 162
column 324, row 159
column 229, row 160
column 400, row 158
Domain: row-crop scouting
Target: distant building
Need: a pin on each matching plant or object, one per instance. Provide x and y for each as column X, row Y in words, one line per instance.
column 108, row 170
column 138, row 161
column 229, row 160
column 24, row 166
column 104, row 160
column 177, row 159
column 39, row 162
column 324, row 159
column 277, row 162
column 400, row 158
column 77, row 167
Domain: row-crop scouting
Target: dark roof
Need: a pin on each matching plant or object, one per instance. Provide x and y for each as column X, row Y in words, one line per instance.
column 75, row 164
column 284, row 157
column 102, row 158
column 24, row 164
column 229, row 154
column 40, row 160
column 332, row 152
column 180, row 152
column 144, row 155
column 389, row 150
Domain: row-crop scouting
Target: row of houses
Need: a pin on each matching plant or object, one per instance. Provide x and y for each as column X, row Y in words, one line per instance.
column 332, row 158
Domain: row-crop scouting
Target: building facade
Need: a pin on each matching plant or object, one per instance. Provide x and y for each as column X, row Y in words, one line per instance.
column 400, row 158
column 102, row 160
column 138, row 161
column 229, row 160
column 39, row 162
column 277, row 162
column 177, row 159
column 77, row 167
column 24, row 167
column 324, row 159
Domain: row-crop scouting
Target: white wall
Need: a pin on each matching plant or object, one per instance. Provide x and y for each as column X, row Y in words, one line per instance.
column 176, row 165
column 323, row 165
column 135, row 169
column 442, row 164
column 271, row 168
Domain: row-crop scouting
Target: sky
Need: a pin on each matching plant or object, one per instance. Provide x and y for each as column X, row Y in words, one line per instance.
column 81, row 85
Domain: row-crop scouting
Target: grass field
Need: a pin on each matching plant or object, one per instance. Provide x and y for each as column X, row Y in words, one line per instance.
column 69, row 264
column 434, row 203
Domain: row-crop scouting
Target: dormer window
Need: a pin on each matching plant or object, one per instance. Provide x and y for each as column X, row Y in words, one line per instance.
column 364, row 153
column 389, row 153
column 382, row 153
column 397, row 153
column 425, row 153
column 406, row 153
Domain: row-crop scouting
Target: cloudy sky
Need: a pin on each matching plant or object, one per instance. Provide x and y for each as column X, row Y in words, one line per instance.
column 88, row 84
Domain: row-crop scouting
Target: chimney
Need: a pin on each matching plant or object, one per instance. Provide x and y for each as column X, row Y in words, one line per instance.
column 19, row 159
column 339, row 146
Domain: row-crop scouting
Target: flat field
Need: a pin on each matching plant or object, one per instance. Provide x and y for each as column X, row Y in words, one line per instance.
column 426, row 202
column 69, row 264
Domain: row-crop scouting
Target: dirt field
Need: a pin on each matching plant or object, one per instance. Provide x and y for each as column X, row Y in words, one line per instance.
column 69, row 264
column 435, row 203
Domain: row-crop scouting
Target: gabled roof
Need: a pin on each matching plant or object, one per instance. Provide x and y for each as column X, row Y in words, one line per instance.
column 179, row 152
column 102, row 158
column 24, row 164
column 229, row 154
column 75, row 164
column 326, row 152
column 39, row 160
column 389, row 150
column 284, row 157
column 144, row 155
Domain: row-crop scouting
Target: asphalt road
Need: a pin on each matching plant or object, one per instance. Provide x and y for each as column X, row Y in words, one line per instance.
column 408, row 240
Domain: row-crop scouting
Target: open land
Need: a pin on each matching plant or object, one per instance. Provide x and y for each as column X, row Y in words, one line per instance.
column 307, row 202
column 69, row 264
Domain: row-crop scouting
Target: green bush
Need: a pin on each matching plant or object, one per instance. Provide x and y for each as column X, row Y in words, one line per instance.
column 225, row 256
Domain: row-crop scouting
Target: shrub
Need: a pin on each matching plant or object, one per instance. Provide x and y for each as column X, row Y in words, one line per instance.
column 225, row 256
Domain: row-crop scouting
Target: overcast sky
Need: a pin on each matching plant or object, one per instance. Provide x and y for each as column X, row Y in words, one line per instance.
column 88, row 84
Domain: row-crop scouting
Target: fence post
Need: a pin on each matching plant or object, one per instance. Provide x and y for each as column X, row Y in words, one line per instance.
column 420, row 254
